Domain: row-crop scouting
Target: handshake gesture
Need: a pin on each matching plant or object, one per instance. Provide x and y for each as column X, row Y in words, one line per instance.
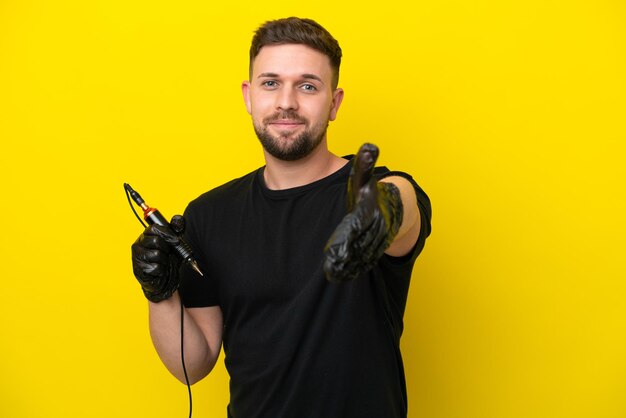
column 374, row 218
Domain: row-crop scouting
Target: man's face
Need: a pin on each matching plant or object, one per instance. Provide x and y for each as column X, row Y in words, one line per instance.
column 290, row 99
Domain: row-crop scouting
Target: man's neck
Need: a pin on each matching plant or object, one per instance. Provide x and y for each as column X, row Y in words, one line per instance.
column 280, row 175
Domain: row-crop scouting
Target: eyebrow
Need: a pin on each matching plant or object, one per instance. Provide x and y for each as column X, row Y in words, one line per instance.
column 272, row 75
column 306, row 76
column 312, row 77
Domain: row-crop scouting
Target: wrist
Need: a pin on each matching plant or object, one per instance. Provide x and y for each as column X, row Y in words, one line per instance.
column 165, row 293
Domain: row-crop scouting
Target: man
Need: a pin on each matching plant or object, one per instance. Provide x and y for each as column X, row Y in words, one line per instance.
column 306, row 261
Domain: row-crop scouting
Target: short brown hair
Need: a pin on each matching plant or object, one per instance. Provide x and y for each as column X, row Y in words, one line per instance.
column 294, row 30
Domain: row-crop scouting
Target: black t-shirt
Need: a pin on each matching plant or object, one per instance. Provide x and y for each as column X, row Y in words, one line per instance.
column 295, row 344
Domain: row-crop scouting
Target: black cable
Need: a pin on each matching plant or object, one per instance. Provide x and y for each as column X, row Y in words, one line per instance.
column 182, row 315
column 132, row 207
column 182, row 351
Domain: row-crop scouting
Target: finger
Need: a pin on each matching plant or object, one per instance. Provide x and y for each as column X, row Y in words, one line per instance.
column 364, row 164
column 373, row 242
column 342, row 252
column 148, row 273
column 361, row 173
column 336, row 252
column 178, row 224
column 163, row 232
column 149, row 255
column 151, row 242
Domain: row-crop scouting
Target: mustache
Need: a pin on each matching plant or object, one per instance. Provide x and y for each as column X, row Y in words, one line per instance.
column 287, row 114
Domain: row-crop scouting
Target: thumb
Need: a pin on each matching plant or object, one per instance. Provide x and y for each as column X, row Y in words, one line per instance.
column 178, row 224
column 359, row 184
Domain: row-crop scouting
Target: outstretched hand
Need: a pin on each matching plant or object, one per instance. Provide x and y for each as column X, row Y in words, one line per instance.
column 374, row 218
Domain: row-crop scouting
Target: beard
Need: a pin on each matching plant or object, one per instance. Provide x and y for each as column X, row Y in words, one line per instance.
column 284, row 148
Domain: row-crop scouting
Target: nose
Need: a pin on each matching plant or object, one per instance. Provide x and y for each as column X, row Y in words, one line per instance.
column 287, row 99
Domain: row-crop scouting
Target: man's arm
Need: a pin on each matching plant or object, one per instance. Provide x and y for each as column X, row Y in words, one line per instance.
column 410, row 228
column 202, row 338
column 156, row 267
column 375, row 223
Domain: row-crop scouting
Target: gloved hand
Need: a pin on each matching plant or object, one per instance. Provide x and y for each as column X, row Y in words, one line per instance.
column 155, row 262
column 374, row 218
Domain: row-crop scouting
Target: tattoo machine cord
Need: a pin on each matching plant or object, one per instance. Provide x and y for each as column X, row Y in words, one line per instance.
column 152, row 215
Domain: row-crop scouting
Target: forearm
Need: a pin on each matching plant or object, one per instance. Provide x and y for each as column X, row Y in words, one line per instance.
column 165, row 322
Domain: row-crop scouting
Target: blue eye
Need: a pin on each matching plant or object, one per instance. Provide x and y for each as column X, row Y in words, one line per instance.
column 269, row 83
column 309, row 87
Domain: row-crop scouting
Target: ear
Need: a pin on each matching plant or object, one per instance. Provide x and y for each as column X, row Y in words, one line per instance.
column 337, row 99
column 245, row 90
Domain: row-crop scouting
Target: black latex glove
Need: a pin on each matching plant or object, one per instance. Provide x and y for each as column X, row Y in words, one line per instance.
column 374, row 218
column 155, row 262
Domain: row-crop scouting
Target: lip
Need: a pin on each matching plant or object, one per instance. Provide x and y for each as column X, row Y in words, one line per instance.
column 286, row 122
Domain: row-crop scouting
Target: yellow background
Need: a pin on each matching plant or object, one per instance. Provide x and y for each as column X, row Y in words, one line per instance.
column 511, row 115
